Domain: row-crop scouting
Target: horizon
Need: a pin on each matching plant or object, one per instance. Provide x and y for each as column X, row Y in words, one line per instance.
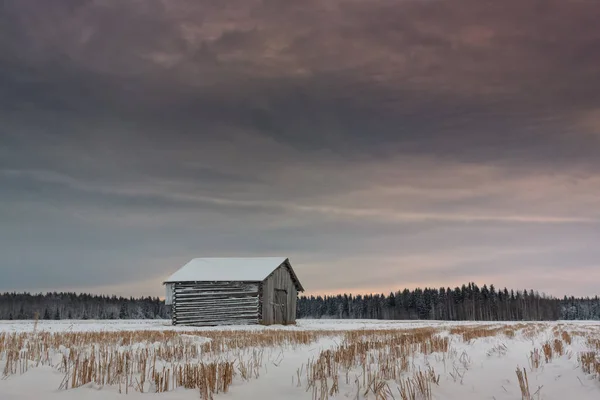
column 326, row 294
column 377, row 144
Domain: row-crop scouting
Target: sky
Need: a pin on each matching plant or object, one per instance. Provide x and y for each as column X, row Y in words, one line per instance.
column 378, row 144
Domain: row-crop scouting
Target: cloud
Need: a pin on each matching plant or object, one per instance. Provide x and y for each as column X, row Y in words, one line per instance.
column 398, row 134
column 590, row 122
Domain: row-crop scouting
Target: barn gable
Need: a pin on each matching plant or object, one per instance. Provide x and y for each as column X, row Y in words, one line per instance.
column 223, row 291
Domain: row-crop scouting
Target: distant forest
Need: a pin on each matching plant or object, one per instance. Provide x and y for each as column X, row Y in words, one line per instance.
column 79, row 306
column 468, row 302
column 465, row 303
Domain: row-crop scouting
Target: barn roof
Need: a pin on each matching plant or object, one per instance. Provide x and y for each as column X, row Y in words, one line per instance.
column 246, row 269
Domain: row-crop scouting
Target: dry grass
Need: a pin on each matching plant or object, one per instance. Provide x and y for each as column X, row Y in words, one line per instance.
column 548, row 351
column 419, row 386
column 589, row 360
column 590, row 363
column 378, row 357
column 469, row 333
column 559, row 347
column 150, row 361
column 498, row 350
column 377, row 364
column 532, row 331
column 593, row 343
column 566, row 337
column 523, row 384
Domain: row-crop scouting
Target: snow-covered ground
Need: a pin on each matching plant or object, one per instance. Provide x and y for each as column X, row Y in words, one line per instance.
column 302, row 325
column 477, row 368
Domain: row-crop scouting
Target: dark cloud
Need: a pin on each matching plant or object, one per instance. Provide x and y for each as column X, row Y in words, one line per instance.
column 423, row 139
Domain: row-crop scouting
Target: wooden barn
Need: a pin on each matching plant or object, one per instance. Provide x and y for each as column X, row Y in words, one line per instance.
column 227, row 291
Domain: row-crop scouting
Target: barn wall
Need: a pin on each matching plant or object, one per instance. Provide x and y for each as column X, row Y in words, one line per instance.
column 279, row 279
column 215, row 303
column 169, row 294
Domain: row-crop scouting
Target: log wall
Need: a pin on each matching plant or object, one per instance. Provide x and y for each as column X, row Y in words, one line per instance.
column 215, row 303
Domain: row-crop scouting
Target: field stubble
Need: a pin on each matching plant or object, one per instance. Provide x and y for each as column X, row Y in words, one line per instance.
column 363, row 363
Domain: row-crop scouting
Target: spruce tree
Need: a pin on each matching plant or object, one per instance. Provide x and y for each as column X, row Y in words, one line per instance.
column 123, row 311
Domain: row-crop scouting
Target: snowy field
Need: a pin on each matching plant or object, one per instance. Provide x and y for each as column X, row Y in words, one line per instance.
column 316, row 359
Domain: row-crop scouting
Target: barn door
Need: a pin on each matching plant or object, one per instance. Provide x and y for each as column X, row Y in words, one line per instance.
column 280, row 307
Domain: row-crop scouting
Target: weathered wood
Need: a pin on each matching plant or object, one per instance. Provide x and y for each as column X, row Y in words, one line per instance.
column 210, row 319
column 215, row 295
column 211, row 283
column 196, row 306
column 260, row 301
column 169, row 294
column 215, row 303
column 279, row 309
column 207, row 303
column 216, row 300
column 203, row 317
column 206, row 317
column 232, row 313
column 216, row 286
column 212, row 303
column 210, row 309
column 184, row 320
column 216, row 290
column 219, row 322
column 204, row 292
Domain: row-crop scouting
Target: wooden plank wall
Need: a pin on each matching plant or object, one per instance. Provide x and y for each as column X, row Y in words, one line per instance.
column 215, row 303
column 279, row 279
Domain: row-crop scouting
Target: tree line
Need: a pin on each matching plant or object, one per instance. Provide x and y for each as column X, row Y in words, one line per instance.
column 468, row 302
column 79, row 306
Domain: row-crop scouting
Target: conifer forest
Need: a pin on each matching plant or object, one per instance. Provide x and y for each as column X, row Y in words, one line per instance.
column 466, row 303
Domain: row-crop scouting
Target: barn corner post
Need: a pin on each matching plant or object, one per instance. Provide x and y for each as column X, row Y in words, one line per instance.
column 173, row 315
column 260, row 303
column 170, row 299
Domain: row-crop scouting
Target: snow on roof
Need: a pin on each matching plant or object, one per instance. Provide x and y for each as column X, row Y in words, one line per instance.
column 227, row 269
